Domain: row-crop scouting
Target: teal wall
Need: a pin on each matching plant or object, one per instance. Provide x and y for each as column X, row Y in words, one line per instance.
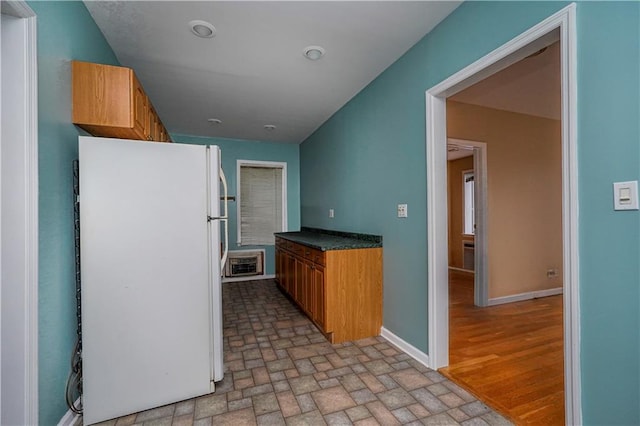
column 609, row 151
column 235, row 149
column 66, row 31
column 370, row 156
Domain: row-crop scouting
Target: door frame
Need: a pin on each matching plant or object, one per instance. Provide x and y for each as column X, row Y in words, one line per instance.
column 481, row 262
column 25, row 390
column 562, row 23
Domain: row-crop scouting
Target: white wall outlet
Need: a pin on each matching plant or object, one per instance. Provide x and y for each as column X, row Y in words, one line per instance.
column 625, row 195
column 331, row 213
column 552, row 273
column 402, row 210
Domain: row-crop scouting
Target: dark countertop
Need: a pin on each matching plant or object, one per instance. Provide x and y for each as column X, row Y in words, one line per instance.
column 323, row 239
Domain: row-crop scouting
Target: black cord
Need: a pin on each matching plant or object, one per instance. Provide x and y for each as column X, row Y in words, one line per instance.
column 74, row 380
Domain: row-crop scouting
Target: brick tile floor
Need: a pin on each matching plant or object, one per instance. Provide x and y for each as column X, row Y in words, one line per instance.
column 280, row 370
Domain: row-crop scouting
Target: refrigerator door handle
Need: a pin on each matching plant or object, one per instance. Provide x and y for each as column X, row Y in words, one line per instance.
column 225, row 218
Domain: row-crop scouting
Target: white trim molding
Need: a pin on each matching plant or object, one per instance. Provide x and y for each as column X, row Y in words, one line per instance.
column 569, row 58
column 406, row 347
column 525, row 296
column 562, row 26
column 28, row 388
column 437, row 232
column 31, row 234
column 70, row 418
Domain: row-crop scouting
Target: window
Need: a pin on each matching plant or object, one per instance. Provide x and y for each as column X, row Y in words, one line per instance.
column 262, row 201
column 468, row 205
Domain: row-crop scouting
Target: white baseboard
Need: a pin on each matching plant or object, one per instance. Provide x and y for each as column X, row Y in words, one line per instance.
column 70, row 418
column 249, row 278
column 410, row 350
column 525, row 296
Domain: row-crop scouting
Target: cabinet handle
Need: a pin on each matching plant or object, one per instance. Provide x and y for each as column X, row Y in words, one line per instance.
column 307, row 253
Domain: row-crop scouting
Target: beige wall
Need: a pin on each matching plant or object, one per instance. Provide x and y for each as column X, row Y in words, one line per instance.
column 455, row 200
column 524, row 196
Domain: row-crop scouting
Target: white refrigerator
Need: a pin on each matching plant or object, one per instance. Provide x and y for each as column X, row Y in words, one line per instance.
column 151, row 267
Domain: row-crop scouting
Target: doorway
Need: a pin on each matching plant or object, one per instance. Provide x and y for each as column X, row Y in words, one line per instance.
column 468, row 214
column 560, row 25
column 497, row 351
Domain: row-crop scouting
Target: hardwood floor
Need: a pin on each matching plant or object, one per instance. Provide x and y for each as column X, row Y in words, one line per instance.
column 510, row 356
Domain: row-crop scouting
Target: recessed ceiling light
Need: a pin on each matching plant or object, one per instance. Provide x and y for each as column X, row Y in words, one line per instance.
column 214, row 121
column 269, row 127
column 202, row 29
column 313, row 53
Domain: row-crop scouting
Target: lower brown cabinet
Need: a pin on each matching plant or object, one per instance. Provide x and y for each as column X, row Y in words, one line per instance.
column 339, row 290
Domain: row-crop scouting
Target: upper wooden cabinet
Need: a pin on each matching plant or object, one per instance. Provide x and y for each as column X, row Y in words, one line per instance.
column 109, row 101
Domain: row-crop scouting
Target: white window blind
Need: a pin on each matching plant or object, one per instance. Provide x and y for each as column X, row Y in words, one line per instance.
column 261, row 204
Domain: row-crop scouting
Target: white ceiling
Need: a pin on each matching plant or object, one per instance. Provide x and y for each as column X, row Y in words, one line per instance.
column 530, row 86
column 253, row 73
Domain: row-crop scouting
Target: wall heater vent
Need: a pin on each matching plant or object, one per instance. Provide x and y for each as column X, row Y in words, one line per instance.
column 468, row 255
column 244, row 263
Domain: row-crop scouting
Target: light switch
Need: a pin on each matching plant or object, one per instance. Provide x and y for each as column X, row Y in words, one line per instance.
column 625, row 195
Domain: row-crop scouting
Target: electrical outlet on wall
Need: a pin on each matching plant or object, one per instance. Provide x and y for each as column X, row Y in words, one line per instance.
column 331, row 213
column 552, row 273
column 402, row 210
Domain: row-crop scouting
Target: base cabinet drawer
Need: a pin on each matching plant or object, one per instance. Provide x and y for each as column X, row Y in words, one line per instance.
column 314, row 255
column 339, row 290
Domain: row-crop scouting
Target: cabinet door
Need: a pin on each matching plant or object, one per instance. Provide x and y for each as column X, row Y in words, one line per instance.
column 291, row 275
column 301, row 291
column 284, row 277
column 284, row 274
column 278, row 267
column 154, row 128
column 317, row 286
column 307, row 303
column 101, row 94
column 140, row 110
column 164, row 135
